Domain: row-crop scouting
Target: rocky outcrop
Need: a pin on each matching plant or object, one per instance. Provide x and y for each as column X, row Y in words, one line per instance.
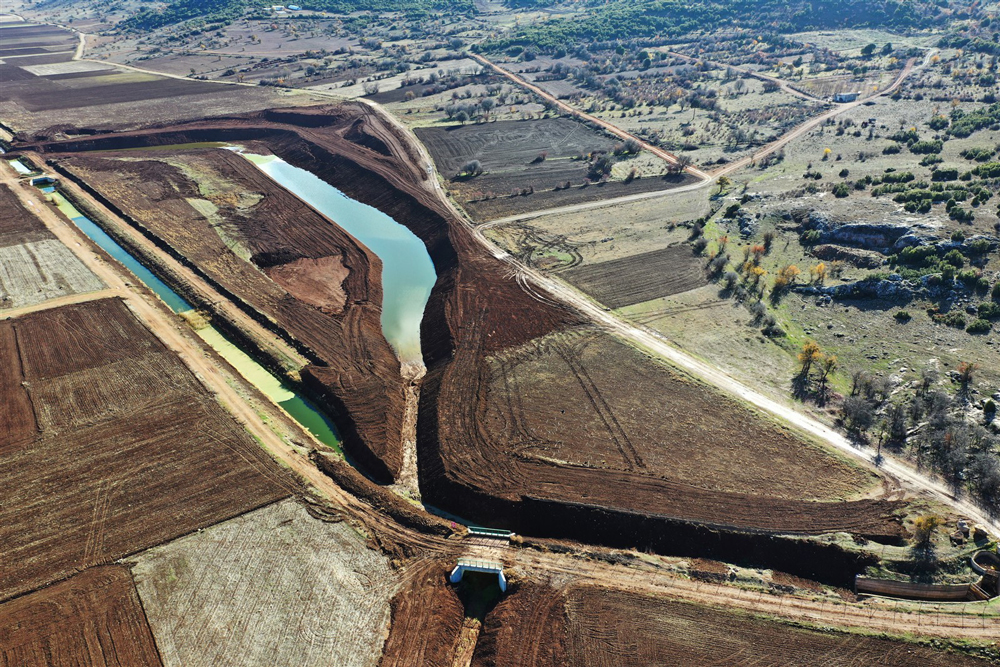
column 863, row 259
column 886, row 237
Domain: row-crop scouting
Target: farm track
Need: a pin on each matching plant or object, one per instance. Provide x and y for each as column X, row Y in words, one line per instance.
column 640, row 577
column 613, row 129
column 655, row 342
column 60, row 301
column 782, row 84
column 708, row 179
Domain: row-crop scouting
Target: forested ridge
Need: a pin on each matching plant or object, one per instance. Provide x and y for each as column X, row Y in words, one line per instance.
column 228, row 10
column 631, row 19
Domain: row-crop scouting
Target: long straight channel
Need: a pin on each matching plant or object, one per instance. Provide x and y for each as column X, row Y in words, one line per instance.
column 298, row 407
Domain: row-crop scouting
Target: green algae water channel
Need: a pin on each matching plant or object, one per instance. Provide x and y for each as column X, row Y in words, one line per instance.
column 300, row 408
column 408, row 273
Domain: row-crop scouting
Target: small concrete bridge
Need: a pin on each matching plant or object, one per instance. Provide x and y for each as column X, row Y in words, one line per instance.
column 484, row 553
column 473, row 565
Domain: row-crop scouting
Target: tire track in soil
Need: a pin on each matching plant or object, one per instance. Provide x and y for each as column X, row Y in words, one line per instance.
column 618, row 435
column 679, row 310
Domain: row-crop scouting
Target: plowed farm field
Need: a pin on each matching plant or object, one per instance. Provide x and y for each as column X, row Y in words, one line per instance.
column 34, row 266
column 45, row 87
column 271, row 587
column 594, row 627
column 427, row 618
column 130, row 450
column 94, row 619
column 630, row 280
column 510, row 153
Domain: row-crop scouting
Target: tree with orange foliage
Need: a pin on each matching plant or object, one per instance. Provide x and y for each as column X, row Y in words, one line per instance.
column 809, row 355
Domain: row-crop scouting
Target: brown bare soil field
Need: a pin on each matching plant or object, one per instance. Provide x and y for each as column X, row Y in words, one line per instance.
column 427, row 618
column 116, row 99
column 54, row 97
column 598, row 627
column 610, row 408
column 512, row 145
column 583, row 437
column 17, row 418
column 630, row 280
column 104, row 480
column 94, row 619
column 37, row 35
column 18, row 225
column 272, row 587
column 221, row 215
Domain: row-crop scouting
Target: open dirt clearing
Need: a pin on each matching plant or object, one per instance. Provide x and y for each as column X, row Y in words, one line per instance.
column 94, row 618
column 513, row 146
column 540, row 155
column 590, row 626
column 133, row 450
column 272, row 587
column 34, row 267
column 608, row 232
column 18, row 224
column 586, row 420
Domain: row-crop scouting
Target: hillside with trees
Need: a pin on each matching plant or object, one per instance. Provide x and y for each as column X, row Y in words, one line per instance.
column 228, row 10
column 629, row 19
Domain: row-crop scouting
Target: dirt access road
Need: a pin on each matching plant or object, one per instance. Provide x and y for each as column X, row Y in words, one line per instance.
column 708, row 179
column 543, row 287
column 613, row 129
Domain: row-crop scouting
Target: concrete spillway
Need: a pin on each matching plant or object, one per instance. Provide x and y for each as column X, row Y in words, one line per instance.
column 469, row 565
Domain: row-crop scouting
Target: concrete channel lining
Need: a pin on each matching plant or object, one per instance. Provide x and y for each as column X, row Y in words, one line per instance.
column 469, row 565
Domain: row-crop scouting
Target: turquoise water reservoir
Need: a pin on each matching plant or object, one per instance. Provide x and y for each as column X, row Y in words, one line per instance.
column 407, row 271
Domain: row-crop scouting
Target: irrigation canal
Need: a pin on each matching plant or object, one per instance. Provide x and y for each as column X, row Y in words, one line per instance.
column 298, row 407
